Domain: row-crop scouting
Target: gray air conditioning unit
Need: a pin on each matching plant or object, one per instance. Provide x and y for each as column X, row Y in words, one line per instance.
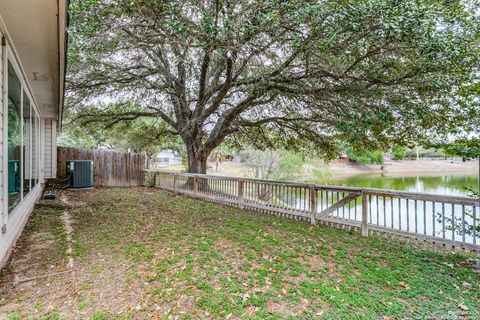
column 80, row 173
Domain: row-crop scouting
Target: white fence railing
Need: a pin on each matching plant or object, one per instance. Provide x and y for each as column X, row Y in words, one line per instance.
column 450, row 220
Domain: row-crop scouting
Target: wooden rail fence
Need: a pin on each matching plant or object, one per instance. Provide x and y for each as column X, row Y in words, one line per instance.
column 111, row 168
column 448, row 220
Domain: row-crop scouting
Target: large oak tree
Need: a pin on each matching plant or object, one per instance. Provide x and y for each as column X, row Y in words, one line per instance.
column 296, row 74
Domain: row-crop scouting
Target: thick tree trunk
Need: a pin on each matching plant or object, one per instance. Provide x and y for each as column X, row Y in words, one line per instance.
column 196, row 157
column 197, row 163
column 198, row 151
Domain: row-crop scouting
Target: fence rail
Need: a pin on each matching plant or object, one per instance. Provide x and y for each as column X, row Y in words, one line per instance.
column 449, row 220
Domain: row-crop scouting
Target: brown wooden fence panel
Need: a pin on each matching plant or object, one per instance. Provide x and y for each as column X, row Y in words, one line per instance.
column 111, row 168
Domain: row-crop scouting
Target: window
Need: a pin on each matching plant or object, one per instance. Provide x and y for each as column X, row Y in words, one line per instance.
column 23, row 125
column 27, row 150
column 14, row 138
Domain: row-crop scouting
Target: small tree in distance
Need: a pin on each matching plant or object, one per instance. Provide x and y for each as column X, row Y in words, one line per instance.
column 398, row 152
column 273, row 164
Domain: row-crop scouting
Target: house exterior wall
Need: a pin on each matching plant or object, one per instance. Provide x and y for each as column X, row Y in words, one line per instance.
column 50, row 153
column 165, row 158
column 13, row 221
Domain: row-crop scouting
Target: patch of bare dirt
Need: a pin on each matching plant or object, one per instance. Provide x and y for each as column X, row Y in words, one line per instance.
column 284, row 308
column 41, row 276
column 37, row 268
column 384, row 263
column 224, row 244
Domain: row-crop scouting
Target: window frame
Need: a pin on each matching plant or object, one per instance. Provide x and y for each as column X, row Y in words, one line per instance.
column 30, row 106
column 8, row 56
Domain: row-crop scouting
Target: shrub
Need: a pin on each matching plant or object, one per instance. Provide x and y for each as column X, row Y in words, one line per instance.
column 366, row 156
column 150, row 180
column 398, row 152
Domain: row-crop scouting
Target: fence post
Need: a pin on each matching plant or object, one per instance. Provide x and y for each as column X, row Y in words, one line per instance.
column 313, row 204
column 195, row 185
column 240, row 194
column 174, row 184
column 154, row 179
column 364, row 214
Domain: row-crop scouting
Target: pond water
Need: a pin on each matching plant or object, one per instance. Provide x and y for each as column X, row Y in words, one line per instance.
column 434, row 217
column 445, row 184
column 420, row 217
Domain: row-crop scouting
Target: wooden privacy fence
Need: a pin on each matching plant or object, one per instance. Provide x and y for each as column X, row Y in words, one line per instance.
column 448, row 220
column 111, row 168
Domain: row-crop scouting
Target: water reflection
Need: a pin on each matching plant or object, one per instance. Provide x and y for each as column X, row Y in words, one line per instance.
column 420, row 217
column 450, row 184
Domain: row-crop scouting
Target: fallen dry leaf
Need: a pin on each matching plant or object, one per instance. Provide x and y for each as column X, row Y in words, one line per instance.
column 270, row 307
column 404, row 285
column 319, row 313
column 462, row 306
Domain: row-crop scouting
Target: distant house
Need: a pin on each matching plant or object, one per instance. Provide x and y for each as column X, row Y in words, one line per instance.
column 105, row 146
column 343, row 158
column 166, row 158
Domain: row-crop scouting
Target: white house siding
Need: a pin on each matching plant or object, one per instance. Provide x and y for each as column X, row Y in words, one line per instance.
column 41, row 174
column 50, row 149
column 12, row 223
column 34, row 34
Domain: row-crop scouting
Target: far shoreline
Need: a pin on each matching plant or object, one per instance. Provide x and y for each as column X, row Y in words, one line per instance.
column 391, row 168
column 407, row 167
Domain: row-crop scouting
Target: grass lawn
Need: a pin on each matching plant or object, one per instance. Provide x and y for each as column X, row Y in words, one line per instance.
column 144, row 253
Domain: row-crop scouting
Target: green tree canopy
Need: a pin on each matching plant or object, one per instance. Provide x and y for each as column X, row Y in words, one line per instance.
column 465, row 148
column 366, row 156
column 292, row 74
column 142, row 134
